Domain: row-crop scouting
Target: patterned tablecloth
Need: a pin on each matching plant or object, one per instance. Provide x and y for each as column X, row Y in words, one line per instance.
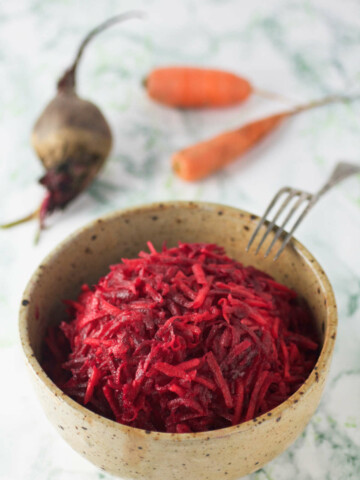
column 301, row 49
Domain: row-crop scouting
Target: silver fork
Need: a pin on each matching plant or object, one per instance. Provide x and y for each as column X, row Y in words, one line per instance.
column 308, row 200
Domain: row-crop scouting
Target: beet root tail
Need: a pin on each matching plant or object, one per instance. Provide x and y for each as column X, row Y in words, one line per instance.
column 29, row 217
column 40, row 214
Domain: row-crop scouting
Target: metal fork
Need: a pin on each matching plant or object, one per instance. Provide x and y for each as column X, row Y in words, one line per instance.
column 308, row 200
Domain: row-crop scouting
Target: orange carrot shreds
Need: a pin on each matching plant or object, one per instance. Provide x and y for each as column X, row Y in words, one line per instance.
column 182, row 340
column 190, row 87
column 204, row 158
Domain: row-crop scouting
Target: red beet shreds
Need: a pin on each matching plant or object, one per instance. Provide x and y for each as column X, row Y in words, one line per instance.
column 184, row 340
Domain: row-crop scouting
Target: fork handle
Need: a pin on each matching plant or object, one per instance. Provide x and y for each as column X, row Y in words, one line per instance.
column 341, row 171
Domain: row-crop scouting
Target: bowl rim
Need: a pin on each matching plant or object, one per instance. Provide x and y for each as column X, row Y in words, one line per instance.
column 87, row 415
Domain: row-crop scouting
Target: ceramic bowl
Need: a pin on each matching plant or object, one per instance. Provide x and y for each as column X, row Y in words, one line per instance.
column 134, row 453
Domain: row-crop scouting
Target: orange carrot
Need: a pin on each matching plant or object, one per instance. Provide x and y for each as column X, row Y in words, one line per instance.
column 189, row 87
column 204, row 158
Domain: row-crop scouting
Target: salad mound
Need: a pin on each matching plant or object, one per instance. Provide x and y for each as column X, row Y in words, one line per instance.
column 182, row 340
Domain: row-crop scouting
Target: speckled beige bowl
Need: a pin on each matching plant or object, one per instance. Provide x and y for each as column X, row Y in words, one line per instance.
column 133, row 453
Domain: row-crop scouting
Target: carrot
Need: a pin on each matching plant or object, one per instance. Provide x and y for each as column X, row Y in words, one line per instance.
column 189, row 87
column 204, row 158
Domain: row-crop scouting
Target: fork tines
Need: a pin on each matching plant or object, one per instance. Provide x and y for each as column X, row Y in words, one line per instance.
column 301, row 198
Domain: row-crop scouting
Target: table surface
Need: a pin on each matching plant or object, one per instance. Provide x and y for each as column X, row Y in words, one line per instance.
column 300, row 49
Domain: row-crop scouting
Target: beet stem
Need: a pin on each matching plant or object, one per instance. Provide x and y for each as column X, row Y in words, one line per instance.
column 67, row 81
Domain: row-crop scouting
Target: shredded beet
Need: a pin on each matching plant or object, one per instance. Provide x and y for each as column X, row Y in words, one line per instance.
column 183, row 340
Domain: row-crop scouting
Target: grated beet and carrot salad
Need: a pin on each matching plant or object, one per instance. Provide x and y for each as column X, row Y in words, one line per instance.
column 183, row 340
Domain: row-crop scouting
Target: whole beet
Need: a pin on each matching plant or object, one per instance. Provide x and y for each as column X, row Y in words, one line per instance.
column 71, row 137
